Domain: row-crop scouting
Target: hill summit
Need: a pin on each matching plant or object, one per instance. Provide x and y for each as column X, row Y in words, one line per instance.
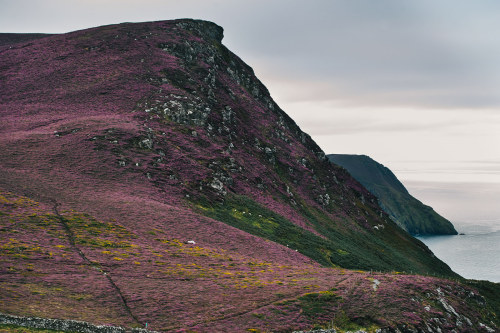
column 149, row 177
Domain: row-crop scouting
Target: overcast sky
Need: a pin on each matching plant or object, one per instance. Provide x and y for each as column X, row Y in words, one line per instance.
column 413, row 84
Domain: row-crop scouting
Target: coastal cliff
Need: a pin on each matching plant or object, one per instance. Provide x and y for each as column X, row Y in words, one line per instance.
column 408, row 212
column 147, row 177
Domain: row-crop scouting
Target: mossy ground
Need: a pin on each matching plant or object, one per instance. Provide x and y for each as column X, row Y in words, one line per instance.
column 334, row 245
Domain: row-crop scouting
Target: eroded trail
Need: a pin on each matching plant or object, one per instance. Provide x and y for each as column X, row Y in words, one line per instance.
column 71, row 238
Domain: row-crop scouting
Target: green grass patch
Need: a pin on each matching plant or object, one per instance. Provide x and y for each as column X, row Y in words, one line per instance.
column 245, row 214
column 344, row 245
column 313, row 304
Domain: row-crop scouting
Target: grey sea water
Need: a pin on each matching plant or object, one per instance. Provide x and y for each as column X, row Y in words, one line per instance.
column 474, row 255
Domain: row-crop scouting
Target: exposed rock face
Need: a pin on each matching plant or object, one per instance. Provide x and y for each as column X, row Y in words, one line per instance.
column 206, row 207
column 409, row 213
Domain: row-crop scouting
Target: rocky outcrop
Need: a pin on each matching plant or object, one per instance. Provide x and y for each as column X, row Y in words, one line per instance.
column 64, row 325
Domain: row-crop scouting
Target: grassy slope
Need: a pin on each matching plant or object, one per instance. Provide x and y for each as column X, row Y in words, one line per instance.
column 338, row 247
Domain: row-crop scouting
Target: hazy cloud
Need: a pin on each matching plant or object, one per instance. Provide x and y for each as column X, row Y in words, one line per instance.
column 464, row 202
column 385, row 52
column 389, row 52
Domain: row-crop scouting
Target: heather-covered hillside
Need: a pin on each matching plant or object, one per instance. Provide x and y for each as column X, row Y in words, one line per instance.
column 70, row 265
column 148, row 177
column 409, row 213
column 164, row 110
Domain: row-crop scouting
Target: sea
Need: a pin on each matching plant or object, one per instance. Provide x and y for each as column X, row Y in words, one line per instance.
column 474, row 254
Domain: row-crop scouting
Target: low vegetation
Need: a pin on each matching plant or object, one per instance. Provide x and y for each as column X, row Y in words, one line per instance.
column 148, row 178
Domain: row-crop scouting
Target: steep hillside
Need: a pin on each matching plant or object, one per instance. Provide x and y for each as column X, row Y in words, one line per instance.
column 148, row 177
column 409, row 213
column 164, row 108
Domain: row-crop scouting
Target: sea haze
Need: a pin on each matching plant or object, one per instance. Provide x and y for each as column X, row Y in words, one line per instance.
column 475, row 254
